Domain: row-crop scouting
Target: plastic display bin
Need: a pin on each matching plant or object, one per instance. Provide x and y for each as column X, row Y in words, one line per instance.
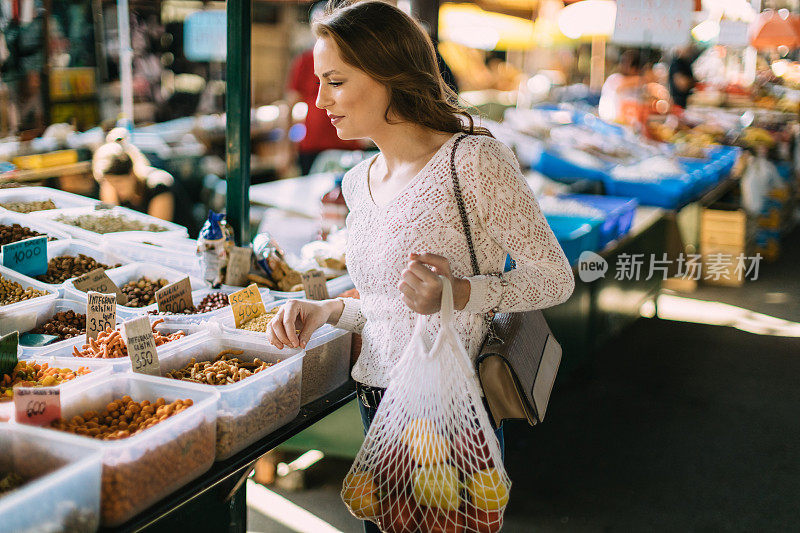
column 9, row 218
column 21, row 313
column 63, row 200
column 142, row 246
column 27, row 322
column 197, row 297
column 619, row 214
column 142, row 469
column 63, row 488
column 552, row 165
column 133, row 271
column 172, row 230
column 576, row 235
column 252, row 408
column 326, row 364
column 669, row 193
column 123, row 364
column 336, row 286
column 73, row 248
column 96, row 371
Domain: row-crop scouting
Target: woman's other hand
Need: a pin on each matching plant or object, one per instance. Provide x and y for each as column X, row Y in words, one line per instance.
column 421, row 287
column 301, row 315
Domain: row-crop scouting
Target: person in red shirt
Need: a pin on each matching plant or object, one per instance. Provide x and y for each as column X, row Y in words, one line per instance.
column 320, row 133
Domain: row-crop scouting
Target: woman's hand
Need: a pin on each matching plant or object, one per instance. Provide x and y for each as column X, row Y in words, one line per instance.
column 303, row 315
column 421, row 287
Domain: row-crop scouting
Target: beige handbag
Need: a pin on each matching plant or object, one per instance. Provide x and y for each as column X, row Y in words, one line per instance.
column 519, row 358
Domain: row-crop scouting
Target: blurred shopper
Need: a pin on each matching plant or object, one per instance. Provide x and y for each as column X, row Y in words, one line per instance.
column 617, row 86
column 379, row 80
column 302, row 87
column 681, row 80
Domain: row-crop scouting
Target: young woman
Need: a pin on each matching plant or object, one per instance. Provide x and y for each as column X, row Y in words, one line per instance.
column 379, row 80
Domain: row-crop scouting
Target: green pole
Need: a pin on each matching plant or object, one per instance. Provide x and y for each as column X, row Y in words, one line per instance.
column 237, row 127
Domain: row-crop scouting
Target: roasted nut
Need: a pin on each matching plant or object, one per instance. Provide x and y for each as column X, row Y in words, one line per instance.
column 63, row 267
column 142, row 292
column 12, row 292
column 211, row 302
column 64, row 324
column 15, row 232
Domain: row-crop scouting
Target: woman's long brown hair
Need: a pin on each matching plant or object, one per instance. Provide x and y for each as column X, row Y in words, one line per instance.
column 390, row 47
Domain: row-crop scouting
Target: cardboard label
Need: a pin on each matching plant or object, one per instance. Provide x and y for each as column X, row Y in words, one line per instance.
column 246, row 304
column 37, row 406
column 315, row 285
column 101, row 313
column 27, row 257
column 661, row 23
column 239, row 261
column 97, row 280
column 8, row 352
column 141, row 346
column 175, row 297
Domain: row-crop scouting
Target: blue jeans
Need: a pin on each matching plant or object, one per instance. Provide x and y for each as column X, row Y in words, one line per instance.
column 368, row 413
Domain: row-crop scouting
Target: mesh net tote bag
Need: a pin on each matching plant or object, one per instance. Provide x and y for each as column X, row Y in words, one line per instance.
column 430, row 461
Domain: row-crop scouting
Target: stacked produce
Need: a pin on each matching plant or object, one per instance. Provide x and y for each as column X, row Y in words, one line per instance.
column 64, row 325
column 32, row 374
column 108, row 223
column 109, row 343
column 63, row 267
column 12, row 292
column 121, row 418
column 29, row 207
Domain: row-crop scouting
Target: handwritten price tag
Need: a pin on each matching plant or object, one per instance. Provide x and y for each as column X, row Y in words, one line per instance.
column 101, row 313
column 315, row 285
column 27, row 257
column 239, row 262
column 175, row 297
column 97, row 280
column 141, row 346
column 37, row 406
column 246, row 304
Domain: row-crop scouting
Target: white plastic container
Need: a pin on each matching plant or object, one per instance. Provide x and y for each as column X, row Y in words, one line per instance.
column 74, row 248
column 97, row 370
column 65, row 350
column 20, row 313
column 9, row 218
column 64, row 486
column 130, row 272
column 142, row 469
column 175, row 252
column 326, row 364
column 172, row 230
column 257, row 405
column 62, row 199
column 197, row 297
column 336, row 286
column 54, row 306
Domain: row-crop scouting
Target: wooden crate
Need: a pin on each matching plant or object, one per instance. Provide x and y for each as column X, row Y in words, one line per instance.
column 721, row 264
column 724, row 228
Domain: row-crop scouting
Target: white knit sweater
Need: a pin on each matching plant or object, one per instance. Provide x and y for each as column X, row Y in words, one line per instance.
column 424, row 218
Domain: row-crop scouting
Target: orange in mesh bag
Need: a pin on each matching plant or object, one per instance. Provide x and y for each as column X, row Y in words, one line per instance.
column 430, row 461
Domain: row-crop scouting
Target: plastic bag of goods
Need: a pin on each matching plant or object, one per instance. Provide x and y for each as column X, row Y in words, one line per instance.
column 430, row 460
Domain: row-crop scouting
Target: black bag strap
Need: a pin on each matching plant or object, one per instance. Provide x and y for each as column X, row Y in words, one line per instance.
column 462, row 209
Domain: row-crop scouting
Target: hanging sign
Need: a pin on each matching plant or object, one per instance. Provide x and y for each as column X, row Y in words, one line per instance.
column 662, row 23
